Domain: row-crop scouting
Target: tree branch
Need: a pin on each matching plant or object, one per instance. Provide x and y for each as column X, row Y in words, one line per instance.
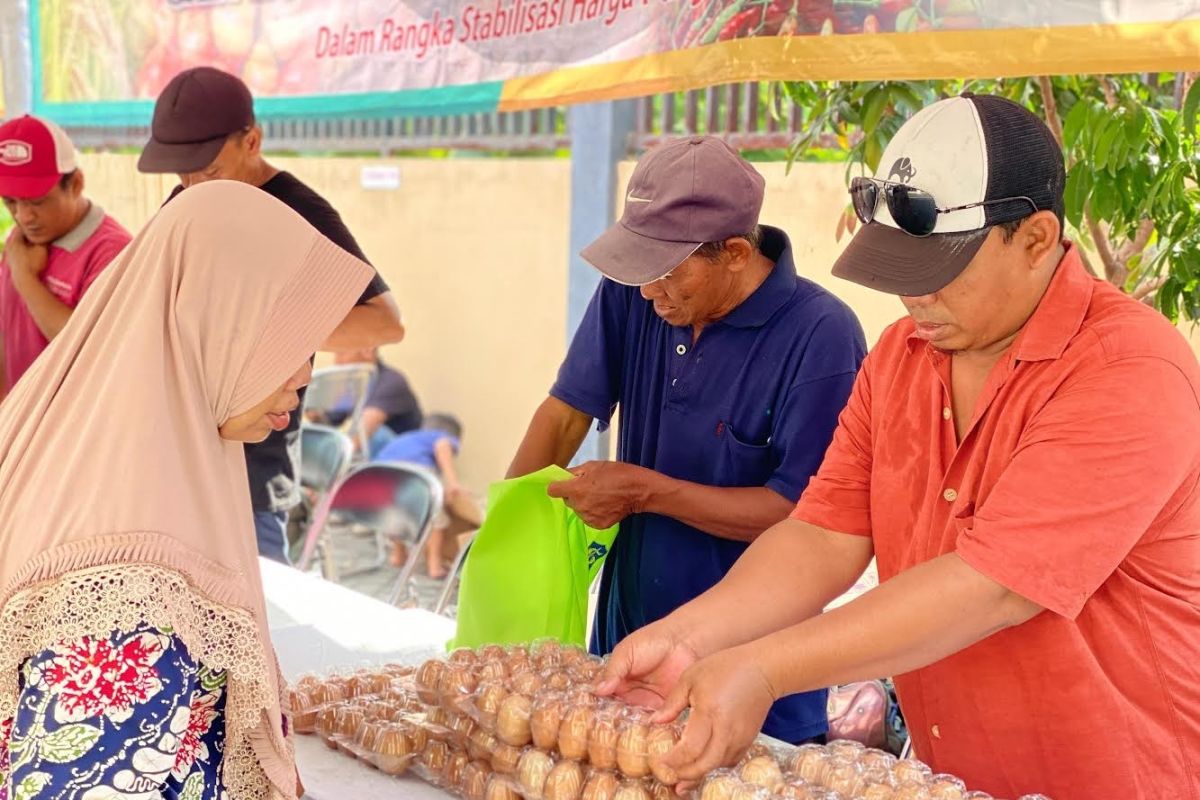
column 1110, row 94
column 1053, row 119
column 1138, row 244
column 1114, row 271
column 1148, row 288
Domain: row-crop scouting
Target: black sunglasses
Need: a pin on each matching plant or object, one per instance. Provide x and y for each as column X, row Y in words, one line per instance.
column 914, row 210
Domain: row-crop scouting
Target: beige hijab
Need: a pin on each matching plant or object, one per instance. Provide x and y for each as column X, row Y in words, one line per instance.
column 119, row 503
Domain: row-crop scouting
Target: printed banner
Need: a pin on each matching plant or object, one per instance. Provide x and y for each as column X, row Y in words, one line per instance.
column 104, row 61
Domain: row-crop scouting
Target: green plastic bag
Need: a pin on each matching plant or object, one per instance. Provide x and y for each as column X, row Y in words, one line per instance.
column 529, row 568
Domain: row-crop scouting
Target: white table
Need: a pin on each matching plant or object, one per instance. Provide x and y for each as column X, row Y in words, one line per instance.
column 318, row 626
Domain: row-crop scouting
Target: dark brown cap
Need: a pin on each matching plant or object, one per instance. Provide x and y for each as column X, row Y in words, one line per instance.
column 193, row 117
column 682, row 194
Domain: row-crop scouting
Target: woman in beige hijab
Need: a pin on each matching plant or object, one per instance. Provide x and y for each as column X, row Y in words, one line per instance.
column 134, row 652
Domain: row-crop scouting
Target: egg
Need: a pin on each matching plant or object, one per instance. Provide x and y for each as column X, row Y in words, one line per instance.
column 492, row 671
column 437, row 722
column 463, row 657
column 308, row 682
column 574, row 731
column 720, row 786
column 877, row 791
column 601, row 786
column 877, row 759
column 525, row 683
column 632, row 790
column 845, row 748
column 809, row 763
column 660, row 792
column 547, row 653
column 514, row 722
column 946, row 787
column 632, row 755
column 475, row 780
column 457, row 686
column 545, row 720
column 326, row 724
column 762, row 771
column 748, row 791
column 662, row 740
column 418, row 734
column 303, row 711
column 556, row 680
column 844, row 776
column 505, row 759
column 802, row 790
column 581, row 696
column 434, row 757
column 461, row 729
column 911, row 790
column 393, row 750
column 428, row 680
column 488, row 699
column 532, row 771
column 572, row 654
column 602, row 739
column 499, row 789
column 481, row 745
column 565, row 781
column 452, row 775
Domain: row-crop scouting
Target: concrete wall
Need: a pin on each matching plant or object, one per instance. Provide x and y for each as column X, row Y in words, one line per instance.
column 476, row 251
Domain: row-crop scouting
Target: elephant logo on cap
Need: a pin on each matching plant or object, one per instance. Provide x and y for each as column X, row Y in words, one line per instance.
column 903, row 171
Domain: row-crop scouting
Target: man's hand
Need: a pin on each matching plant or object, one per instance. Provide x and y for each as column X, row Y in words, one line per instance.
column 603, row 493
column 27, row 260
column 645, row 667
column 729, row 696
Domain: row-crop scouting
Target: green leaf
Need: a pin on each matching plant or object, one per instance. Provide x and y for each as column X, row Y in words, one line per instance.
column 876, row 102
column 1076, row 123
column 1078, row 189
column 1191, row 105
column 69, row 743
column 906, row 20
column 1105, row 142
column 31, row 786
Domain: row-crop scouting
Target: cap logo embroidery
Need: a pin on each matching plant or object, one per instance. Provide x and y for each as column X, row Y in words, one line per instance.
column 14, row 153
column 629, row 198
column 903, row 171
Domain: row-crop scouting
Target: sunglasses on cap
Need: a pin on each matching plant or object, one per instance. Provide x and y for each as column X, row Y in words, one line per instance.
column 914, row 210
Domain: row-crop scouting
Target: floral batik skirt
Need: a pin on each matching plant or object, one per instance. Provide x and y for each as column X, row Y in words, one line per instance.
column 127, row 717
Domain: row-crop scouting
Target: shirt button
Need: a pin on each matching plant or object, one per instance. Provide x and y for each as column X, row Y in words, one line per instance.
column 950, row 495
column 946, row 413
column 936, row 731
column 681, row 350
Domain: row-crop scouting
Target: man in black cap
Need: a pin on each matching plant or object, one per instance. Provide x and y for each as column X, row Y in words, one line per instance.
column 204, row 129
column 1021, row 454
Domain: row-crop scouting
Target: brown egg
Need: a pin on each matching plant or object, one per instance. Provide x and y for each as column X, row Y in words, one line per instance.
column 326, row 724
column 660, row 792
column 393, row 751
column 303, row 711
column 348, row 720
column 527, row 683
column 513, row 724
column 481, row 745
column 633, row 790
column 488, row 700
column 602, row 739
column 518, row 652
column 565, row 782
column 492, row 652
column 545, row 720
column 878, row 791
column 457, row 685
column 461, row 730
column 845, row 748
column 581, row 696
column 574, row 731
column 662, row 740
column 308, row 682
column 585, row 672
column 911, row 790
column 601, row 786
column 547, row 653
column 532, row 771
column 844, row 775
column 633, row 756
column 418, row 734
column 572, row 654
column 802, row 790
column 720, row 786
column 435, row 757
column 492, row 671
column 437, row 722
column 877, row 759
column 463, row 657
column 500, row 789
column 809, row 762
column 368, row 735
column 452, row 775
column 912, row 771
column 556, row 680
column 428, row 680
column 762, row 771
column 946, row 787
column 747, row 791
column 505, row 759
column 475, row 780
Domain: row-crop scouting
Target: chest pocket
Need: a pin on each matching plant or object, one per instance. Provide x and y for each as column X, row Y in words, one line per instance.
column 742, row 462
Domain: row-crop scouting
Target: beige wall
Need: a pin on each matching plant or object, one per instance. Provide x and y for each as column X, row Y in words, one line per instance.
column 476, row 251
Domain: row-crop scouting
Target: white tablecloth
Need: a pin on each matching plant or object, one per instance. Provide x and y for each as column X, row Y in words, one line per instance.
column 317, row 626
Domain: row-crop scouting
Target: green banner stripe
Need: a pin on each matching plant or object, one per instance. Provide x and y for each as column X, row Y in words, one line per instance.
column 443, row 101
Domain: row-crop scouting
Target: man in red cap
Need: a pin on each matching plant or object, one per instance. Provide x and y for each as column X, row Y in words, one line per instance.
column 61, row 243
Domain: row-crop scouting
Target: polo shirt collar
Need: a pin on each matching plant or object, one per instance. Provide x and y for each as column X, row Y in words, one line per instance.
column 757, row 309
column 1058, row 316
column 73, row 239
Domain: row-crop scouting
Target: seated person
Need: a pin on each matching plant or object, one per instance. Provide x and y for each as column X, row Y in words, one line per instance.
column 435, row 447
column 391, row 408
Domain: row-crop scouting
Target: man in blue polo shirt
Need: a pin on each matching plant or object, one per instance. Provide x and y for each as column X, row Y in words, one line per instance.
column 729, row 371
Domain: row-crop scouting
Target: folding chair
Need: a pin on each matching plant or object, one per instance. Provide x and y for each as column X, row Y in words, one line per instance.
column 394, row 500
column 343, row 390
column 325, row 455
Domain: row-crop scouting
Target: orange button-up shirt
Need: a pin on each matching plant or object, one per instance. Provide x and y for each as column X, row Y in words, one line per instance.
column 1075, row 487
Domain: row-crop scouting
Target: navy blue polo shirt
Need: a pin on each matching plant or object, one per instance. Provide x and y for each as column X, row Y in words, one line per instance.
column 754, row 402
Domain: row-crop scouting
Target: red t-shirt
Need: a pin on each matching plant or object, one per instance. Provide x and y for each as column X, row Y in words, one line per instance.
column 75, row 261
column 1075, row 487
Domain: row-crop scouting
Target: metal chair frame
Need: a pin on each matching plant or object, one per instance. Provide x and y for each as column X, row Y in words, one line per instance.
column 345, row 460
column 358, row 378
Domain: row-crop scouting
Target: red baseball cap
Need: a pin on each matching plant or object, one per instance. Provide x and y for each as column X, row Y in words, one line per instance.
column 34, row 154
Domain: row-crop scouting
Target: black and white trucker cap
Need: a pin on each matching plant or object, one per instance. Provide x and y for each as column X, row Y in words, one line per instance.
column 964, row 151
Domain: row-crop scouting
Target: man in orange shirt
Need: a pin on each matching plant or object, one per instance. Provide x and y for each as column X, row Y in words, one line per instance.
column 1021, row 455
